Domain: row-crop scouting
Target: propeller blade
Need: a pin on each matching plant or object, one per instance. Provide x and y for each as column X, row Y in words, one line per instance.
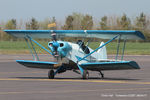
column 54, row 36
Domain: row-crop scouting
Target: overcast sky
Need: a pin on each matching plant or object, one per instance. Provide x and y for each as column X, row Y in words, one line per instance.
column 41, row 9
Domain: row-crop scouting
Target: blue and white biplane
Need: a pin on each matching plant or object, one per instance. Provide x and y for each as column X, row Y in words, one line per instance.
column 77, row 56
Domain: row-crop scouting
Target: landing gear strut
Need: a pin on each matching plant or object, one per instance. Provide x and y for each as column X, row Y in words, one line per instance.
column 102, row 75
column 85, row 74
column 51, row 74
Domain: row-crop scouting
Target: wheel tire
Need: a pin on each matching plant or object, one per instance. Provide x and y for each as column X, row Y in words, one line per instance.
column 51, row 74
column 85, row 74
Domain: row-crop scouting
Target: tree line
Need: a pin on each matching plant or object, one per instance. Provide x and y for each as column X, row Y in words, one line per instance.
column 78, row 21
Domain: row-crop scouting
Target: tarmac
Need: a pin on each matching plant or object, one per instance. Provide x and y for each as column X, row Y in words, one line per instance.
column 20, row 83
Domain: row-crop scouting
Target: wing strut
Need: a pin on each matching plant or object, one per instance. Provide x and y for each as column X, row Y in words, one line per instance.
column 124, row 45
column 80, row 68
column 39, row 44
column 35, row 58
column 118, row 47
column 98, row 48
column 34, row 50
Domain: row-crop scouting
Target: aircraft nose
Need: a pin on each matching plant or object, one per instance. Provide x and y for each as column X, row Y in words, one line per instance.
column 55, row 46
column 60, row 49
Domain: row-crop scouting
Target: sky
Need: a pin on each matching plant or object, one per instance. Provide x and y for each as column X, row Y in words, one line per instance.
column 41, row 9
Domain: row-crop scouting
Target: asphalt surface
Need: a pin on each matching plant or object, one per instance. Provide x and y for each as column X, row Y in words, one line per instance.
column 21, row 83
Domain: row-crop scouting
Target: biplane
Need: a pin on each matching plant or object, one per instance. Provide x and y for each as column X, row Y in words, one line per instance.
column 78, row 57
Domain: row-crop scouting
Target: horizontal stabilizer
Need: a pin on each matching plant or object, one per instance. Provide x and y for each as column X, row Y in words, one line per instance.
column 116, row 65
column 37, row 64
column 103, row 34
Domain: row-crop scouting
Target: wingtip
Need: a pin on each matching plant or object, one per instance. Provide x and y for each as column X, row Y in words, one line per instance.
column 134, row 65
column 140, row 34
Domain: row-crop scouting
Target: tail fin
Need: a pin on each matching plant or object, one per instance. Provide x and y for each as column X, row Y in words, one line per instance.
column 102, row 52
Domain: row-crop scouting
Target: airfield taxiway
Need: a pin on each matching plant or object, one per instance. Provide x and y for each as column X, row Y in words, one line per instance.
column 21, row 83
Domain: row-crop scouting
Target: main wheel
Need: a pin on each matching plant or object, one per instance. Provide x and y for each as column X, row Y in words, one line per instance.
column 51, row 74
column 85, row 74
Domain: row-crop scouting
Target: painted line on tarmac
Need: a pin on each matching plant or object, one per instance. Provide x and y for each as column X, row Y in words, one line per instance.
column 73, row 80
column 70, row 91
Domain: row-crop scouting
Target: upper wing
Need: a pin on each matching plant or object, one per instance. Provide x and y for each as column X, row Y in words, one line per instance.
column 103, row 34
column 37, row 64
column 119, row 65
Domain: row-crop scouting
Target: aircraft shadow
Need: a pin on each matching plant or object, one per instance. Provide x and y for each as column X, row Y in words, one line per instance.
column 79, row 78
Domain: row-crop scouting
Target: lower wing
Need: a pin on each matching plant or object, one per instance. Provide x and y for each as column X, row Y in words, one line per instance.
column 38, row 64
column 95, row 66
column 117, row 65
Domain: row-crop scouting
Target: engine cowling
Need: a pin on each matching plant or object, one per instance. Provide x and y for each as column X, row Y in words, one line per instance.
column 59, row 48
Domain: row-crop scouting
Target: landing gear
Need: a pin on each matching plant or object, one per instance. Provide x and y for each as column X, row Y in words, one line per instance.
column 85, row 74
column 102, row 75
column 51, row 74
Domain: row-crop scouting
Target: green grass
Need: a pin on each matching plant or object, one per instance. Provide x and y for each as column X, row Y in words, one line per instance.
column 20, row 47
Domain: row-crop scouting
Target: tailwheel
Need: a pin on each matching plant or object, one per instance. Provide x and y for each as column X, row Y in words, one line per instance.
column 51, row 74
column 102, row 75
column 85, row 74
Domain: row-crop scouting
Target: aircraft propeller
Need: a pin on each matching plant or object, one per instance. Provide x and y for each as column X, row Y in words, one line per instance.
column 55, row 44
